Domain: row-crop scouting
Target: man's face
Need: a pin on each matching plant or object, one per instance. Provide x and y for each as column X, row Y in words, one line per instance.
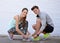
column 36, row 11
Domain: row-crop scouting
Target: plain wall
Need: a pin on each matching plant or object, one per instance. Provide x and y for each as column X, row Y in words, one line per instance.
column 10, row 8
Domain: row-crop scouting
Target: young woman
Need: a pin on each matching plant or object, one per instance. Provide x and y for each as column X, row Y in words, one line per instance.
column 19, row 25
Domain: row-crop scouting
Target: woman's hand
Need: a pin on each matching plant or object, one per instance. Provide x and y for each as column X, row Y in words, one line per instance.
column 27, row 35
column 24, row 36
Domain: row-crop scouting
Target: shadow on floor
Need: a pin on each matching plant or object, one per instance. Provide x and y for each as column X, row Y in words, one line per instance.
column 5, row 39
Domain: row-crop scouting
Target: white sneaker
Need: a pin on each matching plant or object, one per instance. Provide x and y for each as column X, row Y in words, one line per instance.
column 10, row 37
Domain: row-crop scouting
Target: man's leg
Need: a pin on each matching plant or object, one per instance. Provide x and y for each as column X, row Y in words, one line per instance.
column 48, row 29
column 34, row 29
column 37, row 26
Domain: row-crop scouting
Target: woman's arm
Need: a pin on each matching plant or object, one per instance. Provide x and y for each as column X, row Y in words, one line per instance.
column 26, row 30
column 11, row 23
column 27, row 33
column 17, row 29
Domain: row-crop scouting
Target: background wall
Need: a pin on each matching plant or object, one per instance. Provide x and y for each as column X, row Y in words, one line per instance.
column 9, row 8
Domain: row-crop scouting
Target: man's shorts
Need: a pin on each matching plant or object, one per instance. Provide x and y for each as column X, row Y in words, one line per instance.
column 48, row 29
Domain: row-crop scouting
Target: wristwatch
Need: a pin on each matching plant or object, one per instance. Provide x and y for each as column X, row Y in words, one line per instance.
column 37, row 34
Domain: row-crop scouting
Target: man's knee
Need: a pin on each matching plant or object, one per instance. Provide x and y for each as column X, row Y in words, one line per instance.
column 34, row 26
column 38, row 23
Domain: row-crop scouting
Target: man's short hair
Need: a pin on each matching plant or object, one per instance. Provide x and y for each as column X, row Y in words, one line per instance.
column 34, row 7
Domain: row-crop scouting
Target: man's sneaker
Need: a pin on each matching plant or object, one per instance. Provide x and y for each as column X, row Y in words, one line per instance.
column 37, row 38
column 46, row 36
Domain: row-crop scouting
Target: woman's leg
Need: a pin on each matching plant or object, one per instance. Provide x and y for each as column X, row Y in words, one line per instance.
column 11, row 32
column 10, row 35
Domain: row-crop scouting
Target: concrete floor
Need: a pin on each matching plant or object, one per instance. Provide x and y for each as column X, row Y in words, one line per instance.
column 5, row 39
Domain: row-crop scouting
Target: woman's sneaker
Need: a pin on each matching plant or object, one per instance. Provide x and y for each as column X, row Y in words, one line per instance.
column 10, row 36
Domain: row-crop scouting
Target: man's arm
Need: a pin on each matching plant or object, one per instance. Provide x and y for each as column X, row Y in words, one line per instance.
column 44, row 23
column 49, row 20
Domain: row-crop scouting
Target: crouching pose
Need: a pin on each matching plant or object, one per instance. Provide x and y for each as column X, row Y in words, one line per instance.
column 44, row 23
column 19, row 25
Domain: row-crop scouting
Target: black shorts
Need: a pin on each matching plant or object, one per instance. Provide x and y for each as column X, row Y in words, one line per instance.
column 48, row 29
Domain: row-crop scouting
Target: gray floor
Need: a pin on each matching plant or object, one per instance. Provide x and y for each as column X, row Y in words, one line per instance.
column 4, row 39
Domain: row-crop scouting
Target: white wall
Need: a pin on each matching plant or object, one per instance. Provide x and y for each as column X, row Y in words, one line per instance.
column 9, row 8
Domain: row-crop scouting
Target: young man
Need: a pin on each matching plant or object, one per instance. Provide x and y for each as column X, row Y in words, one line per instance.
column 44, row 23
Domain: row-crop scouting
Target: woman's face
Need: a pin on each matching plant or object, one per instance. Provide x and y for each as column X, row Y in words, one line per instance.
column 24, row 13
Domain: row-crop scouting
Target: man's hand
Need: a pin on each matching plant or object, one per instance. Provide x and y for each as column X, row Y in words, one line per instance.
column 39, row 32
column 35, row 36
